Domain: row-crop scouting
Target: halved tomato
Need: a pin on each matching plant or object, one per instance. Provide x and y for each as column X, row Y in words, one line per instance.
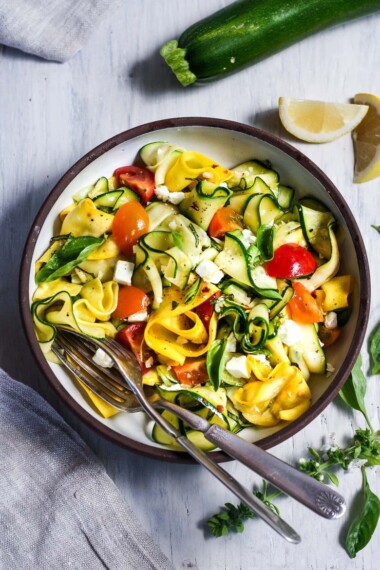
column 328, row 336
column 130, row 222
column 138, row 178
column 130, row 300
column 132, row 337
column 192, row 373
column 206, row 309
column 303, row 307
column 291, row 260
column 224, row 220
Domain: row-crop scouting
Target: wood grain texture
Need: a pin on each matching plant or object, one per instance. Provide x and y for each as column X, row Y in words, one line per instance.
column 51, row 114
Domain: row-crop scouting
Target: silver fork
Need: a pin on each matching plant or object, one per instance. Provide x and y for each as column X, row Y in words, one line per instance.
column 308, row 491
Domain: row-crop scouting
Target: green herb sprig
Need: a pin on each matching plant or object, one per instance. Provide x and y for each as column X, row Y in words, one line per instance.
column 364, row 447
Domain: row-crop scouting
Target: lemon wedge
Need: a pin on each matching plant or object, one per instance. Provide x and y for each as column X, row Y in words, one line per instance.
column 318, row 121
column 366, row 139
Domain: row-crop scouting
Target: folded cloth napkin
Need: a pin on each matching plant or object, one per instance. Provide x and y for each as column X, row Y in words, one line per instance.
column 58, row 507
column 52, row 29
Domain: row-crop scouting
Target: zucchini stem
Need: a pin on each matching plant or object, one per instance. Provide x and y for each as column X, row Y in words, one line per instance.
column 175, row 58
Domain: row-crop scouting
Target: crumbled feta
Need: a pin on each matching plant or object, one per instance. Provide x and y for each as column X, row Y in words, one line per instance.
column 331, row 320
column 261, row 358
column 138, row 317
column 163, row 194
column 247, row 238
column 330, row 368
column 290, row 333
column 219, row 304
column 102, row 359
column 209, row 271
column 149, row 363
column 223, row 184
column 231, row 343
column 176, row 197
column 237, row 366
column 123, row 272
column 173, row 225
column 207, row 175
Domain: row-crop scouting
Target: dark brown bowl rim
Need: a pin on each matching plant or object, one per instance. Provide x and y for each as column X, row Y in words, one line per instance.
column 364, row 303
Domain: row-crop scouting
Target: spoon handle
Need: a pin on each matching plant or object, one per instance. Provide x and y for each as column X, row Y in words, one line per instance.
column 311, row 493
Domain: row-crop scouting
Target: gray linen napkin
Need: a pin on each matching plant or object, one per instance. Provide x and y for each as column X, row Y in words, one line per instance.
column 52, row 29
column 58, row 507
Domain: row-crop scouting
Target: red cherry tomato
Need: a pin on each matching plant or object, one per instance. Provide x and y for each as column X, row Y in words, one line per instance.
column 138, row 178
column 130, row 300
column 192, row 373
column 132, row 337
column 224, row 220
column 130, row 222
column 291, row 260
column 206, row 309
column 303, row 306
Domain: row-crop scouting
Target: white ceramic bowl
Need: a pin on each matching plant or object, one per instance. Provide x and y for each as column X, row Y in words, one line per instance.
column 229, row 143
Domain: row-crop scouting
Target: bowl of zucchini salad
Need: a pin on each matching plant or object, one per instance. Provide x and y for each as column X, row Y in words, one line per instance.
column 222, row 258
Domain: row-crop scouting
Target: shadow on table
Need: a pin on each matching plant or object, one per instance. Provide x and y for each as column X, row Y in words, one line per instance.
column 153, row 76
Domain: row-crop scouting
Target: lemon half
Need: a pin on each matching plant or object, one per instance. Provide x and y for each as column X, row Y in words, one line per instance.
column 366, row 139
column 318, row 121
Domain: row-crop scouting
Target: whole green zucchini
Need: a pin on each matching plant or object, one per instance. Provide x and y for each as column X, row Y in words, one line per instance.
column 247, row 31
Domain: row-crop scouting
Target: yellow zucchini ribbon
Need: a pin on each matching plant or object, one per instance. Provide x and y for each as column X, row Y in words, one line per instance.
column 175, row 332
column 55, row 303
column 281, row 394
column 191, row 165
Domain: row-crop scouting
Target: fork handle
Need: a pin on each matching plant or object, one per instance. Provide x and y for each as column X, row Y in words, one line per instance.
column 246, row 496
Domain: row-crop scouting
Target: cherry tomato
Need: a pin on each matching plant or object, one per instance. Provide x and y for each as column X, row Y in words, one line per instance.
column 206, row 309
column 224, row 220
column 130, row 222
column 192, row 373
column 291, row 260
column 303, row 307
column 130, row 300
column 132, row 337
column 328, row 336
column 138, row 178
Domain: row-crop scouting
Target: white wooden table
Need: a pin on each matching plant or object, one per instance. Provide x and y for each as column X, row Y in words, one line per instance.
column 51, row 114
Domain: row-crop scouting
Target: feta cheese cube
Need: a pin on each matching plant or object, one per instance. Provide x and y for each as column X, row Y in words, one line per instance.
column 102, row 359
column 331, row 320
column 231, row 343
column 123, row 272
column 290, row 333
column 149, row 363
column 209, row 271
column 237, row 366
column 138, row 317
column 330, row 368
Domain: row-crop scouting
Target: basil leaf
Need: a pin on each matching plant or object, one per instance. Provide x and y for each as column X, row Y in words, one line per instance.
column 363, row 526
column 265, row 241
column 374, row 348
column 353, row 392
column 214, row 361
column 70, row 254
